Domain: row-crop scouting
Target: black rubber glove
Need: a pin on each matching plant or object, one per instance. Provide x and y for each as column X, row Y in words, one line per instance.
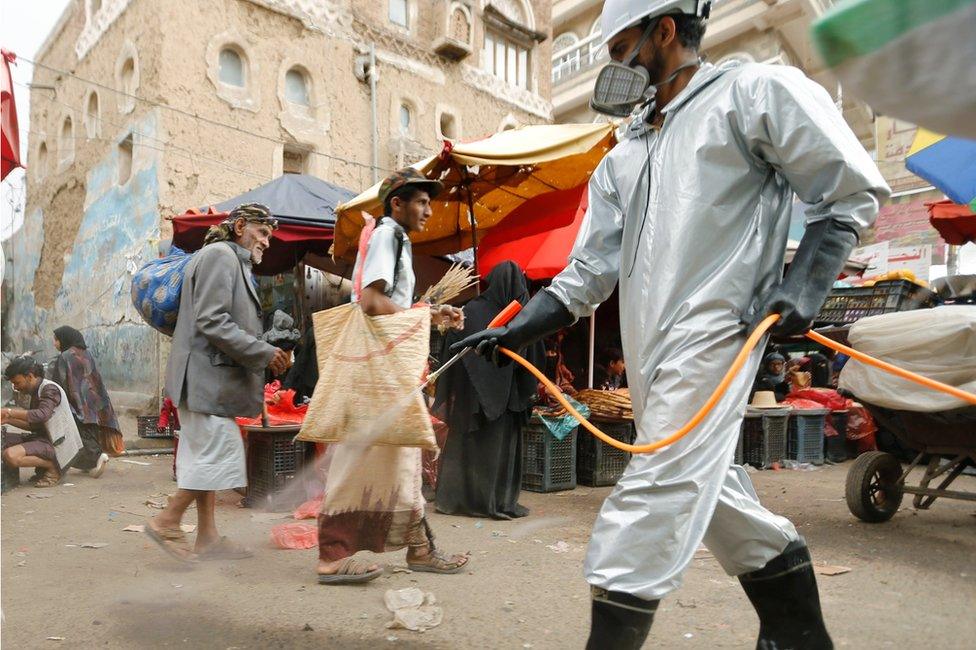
column 819, row 259
column 543, row 315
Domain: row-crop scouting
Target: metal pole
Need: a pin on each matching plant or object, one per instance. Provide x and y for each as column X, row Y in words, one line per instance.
column 372, row 106
column 592, row 346
column 474, row 226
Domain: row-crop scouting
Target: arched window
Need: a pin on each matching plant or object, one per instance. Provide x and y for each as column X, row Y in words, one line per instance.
column 568, row 63
column 231, row 68
column 67, row 145
column 42, row 160
column 92, row 116
column 296, row 87
column 405, row 119
column 448, row 127
column 129, row 76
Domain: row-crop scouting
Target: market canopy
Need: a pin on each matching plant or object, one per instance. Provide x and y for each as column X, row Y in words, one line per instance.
column 949, row 163
column 304, row 205
column 507, row 176
column 956, row 223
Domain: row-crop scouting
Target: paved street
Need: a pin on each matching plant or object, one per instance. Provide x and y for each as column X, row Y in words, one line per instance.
column 911, row 584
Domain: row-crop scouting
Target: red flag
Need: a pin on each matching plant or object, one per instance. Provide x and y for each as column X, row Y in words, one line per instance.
column 9, row 134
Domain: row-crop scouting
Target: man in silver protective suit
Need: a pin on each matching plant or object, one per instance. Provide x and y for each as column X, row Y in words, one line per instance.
column 689, row 214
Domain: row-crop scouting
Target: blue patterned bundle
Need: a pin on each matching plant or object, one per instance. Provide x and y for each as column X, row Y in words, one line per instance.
column 156, row 290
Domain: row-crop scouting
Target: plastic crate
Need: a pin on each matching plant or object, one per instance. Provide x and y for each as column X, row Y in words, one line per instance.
column 805, row 439
column 739, row 450
column 147, row 427
column 764, row 437
column 548, row 464
column 598, row 463
column 835, row 447
column 275, row 470
column 850, row 304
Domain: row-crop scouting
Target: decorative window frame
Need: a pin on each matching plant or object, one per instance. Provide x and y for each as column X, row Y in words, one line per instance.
column 417, row 111
column 571, row 34
column 305, row 123
column 66, row 145
column 246, row 98
column 439, row 111
column 90, row 15
column 127, row 103
column 93, row 129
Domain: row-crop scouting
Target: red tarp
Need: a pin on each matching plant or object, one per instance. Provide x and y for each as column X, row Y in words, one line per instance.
column 9, row 134
column 538, row 240
column 289, row 243
column 956, row 223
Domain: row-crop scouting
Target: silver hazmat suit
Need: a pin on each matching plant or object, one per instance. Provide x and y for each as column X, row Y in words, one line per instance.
column 692, row 221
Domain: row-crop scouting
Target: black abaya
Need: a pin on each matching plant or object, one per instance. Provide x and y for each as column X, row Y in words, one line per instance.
column 485, row 408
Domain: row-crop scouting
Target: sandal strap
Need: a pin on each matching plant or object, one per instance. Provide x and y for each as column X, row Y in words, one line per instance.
column 349, row 566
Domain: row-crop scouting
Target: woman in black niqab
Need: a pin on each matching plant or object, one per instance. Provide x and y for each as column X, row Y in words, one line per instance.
column 485, row 408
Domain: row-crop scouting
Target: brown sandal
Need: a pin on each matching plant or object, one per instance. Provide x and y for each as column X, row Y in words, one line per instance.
column 437, row 562
column 351, row 571
column 172, row 541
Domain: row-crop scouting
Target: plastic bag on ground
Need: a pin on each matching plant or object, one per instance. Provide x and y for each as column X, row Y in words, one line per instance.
column 295, row 536
column 309, row 509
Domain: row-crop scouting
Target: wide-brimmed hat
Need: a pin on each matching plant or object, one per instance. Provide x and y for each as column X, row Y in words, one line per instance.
column 408, row 176
column 765, row 399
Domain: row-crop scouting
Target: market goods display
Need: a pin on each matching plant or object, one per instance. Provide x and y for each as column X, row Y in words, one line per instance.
column 608, row 405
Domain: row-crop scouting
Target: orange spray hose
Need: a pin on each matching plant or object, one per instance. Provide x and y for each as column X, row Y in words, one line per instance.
column 723, row 385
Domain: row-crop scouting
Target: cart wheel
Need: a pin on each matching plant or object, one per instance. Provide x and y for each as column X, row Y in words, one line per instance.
column 873, row 491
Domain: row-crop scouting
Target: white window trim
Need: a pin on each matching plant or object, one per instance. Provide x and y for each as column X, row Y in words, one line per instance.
column 439, row 111
column 65, row 161
column 96, row 128
column 246, row 98
column 126, row 103
column 307, row 124
column 417, row 111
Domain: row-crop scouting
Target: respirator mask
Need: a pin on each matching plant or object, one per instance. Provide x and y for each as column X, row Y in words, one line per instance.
column 622, row 86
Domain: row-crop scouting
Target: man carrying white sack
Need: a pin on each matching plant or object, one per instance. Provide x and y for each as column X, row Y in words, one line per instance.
column 689, row 213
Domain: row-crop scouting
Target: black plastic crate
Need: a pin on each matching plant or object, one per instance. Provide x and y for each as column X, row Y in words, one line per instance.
column 764, row 437
column 835, row 447
column 548, row 464
column 850, row 304
column 738, row 459
column 275, row 470
column 148, row 427
column 805, row 436
column 598, row 463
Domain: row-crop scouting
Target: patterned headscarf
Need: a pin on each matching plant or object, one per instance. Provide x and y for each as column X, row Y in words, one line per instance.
column 252, row 212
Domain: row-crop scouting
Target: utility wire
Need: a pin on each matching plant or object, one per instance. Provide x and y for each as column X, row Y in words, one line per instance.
column 196, row 116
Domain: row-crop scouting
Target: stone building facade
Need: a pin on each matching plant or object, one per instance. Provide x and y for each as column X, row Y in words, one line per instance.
column 141, row 109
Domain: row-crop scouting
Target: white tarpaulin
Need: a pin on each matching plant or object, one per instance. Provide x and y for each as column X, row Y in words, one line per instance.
column 938, row 343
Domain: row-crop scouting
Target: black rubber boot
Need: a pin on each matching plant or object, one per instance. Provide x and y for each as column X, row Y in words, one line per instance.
column 620, row 621
column 784, row 593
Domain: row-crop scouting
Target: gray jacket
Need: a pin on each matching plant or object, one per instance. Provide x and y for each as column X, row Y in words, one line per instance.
column 216, row 365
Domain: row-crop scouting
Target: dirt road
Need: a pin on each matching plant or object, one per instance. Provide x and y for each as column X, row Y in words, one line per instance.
column 911, row 584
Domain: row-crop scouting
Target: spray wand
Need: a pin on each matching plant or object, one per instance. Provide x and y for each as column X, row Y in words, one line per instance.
column 503, row 317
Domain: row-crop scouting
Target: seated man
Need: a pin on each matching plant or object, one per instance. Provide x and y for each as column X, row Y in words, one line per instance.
column 53, row 440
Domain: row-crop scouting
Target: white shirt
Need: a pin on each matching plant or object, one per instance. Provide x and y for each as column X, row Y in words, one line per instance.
column 380, row 264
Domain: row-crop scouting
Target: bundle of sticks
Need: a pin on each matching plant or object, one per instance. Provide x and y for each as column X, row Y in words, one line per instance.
column 611, row 405
column 455, row 281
